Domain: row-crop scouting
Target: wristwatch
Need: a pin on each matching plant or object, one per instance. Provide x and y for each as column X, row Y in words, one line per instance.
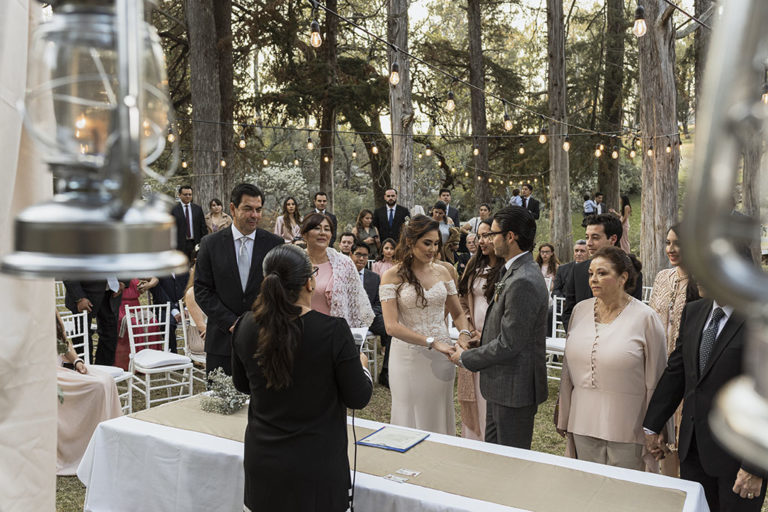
column 430, row 341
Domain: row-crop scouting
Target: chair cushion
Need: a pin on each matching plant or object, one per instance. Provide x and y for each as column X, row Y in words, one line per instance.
column 556, row 345
column 112, row 371
column 151, row 358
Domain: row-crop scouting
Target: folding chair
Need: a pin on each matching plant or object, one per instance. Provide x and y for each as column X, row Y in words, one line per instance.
column 76, row 328
column 148, row 327
column 556, row 341
column 647, row 291
column 61, row 292
column 198, row 360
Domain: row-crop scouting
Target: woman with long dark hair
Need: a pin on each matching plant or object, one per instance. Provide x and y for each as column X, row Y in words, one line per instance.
column 626, row 212
column 366, row 232
column 288, row 224
column 303, row 371
column 415, row 295
column 548, row 263
column 385, row 261
column 673, row 288
column 476, row 289
column 217, row 219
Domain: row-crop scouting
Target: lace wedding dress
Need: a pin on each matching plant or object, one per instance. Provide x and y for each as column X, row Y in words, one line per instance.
column 421, row 380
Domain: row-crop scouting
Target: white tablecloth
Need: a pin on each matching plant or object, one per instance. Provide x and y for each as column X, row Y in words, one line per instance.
column 136, row 465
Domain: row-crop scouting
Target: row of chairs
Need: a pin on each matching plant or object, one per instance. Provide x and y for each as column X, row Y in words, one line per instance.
column 152, row 367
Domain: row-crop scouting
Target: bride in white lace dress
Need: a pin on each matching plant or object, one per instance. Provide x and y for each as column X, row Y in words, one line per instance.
column 415, row 295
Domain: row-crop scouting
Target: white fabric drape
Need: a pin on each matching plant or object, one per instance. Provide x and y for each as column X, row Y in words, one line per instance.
column 27, row 338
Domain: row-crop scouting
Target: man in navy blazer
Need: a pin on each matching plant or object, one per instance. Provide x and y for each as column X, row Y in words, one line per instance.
column 190, row 222
column 398, row 214
column 228, row 273
column 321, row 203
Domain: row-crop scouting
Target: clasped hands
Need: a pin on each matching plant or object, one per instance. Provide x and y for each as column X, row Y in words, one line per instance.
column 453, row 352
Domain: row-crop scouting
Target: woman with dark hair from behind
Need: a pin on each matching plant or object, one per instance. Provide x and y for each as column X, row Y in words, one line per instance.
column 673, row 288
column 303, row 371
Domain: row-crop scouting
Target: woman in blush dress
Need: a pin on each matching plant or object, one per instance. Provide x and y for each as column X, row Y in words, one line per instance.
column 476, row 289
column 614, row 356
column 338, row 291
column 385, row 261
column 288, row 224
column 415, row 295
column 673, row 288
column 548, row 263
column 626, row 213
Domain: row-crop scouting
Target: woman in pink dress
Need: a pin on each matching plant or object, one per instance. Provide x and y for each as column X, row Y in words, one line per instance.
column 131, row 297
column 476, row 289
column 626, row 212
column 385, row 258
column 338, row 290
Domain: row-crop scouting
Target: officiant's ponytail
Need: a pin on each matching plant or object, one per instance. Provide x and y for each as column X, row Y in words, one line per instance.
column 286, row 270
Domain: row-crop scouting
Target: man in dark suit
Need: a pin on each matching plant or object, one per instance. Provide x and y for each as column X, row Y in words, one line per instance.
column 563, row 273
column 511, row 358
column 602, row 231
column 389, row 219
column 450, row 212
column 171, row 289
column 190, row 222
column 529, row 203
column 321, row 201
column 228, row 273
column 101, row 299
column 708, row 354
column 371, row 280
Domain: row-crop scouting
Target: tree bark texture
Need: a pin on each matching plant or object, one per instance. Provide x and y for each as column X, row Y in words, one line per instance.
column 206, row 100
column 477, row 98
column 750, row 186
column 613, row 101
column 328, row 104
column 700, row 44
column 222, row 14
column 658, row 118
column 401, row 107
column 559, row 180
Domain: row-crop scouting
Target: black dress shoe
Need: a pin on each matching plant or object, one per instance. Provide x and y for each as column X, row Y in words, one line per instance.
column 384, row 378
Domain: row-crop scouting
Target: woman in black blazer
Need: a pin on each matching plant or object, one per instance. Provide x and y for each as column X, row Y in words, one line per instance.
column 302, row 370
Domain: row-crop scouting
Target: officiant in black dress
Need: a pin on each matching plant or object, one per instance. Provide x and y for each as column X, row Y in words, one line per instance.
column 302, row 370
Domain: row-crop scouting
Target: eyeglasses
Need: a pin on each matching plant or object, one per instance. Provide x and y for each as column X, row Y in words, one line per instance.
column 489, row 234
column 315, row 270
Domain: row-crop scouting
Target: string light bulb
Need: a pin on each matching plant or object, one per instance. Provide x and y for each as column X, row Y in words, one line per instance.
column 171, row 136
column 632, row 153
column 668, row 149
column 419, row 155
column 598, row 151
column 184, row 164
column 475, row 150
column 315, row 39
column 521, row 149
column 265, row 162
column 242, row 142
column 450, row 103
column 326, row 158
column 466, row 174
column 479, row 178
column 507, row 122
column 296, row 161
column 310, row 144
column 374, row 148
column 650, row 150
column 428, row 150
column 601, row 146
column 394, row 75
column 354, row 152
column 640, row 28
column 567, row 144
column 764, row 98
column 542, row 132
column 490, row 180
column 615, row 153
column 223, row 162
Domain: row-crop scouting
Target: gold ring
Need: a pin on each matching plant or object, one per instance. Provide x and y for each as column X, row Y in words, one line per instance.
column 750, row 495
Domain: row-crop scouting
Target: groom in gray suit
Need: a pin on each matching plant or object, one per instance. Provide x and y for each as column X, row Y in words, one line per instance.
column 511, row 355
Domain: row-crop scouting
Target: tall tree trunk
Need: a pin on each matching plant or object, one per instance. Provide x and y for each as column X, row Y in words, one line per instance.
column 206, row 100
column 700, row 44
column 559, row 180
column 750, row 196
column 477, row 79
column 400, row 104
column 379, row 164
column 613, row 100
column 222, row 13
column 658, row 117
column 328, row 104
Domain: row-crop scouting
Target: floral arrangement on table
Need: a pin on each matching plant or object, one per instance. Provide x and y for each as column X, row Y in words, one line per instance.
column 223, row 397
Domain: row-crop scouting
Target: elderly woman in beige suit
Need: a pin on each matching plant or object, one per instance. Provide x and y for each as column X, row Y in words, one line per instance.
column 614, row 356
